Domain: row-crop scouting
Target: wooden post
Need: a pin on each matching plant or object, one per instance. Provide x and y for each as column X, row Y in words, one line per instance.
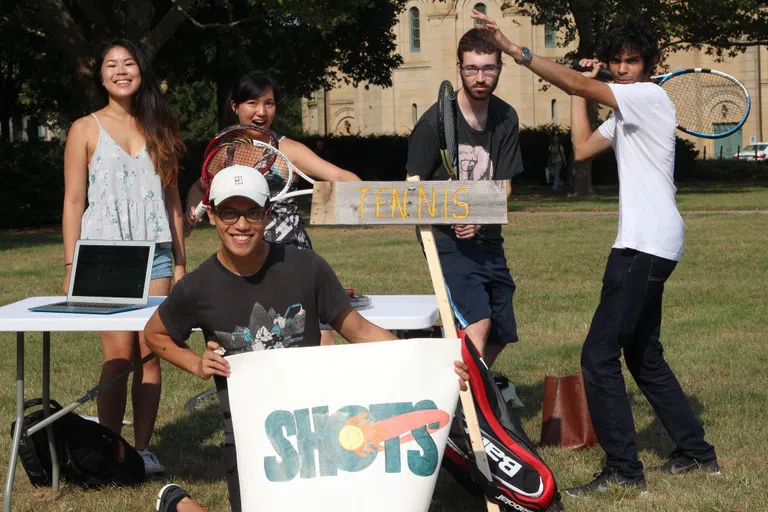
column 425, row 204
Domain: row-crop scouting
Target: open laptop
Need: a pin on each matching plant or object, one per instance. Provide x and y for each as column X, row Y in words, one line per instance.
column 107, row 277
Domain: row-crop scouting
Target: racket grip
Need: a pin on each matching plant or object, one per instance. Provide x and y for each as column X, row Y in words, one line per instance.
column 200, row 211
column 603, row 75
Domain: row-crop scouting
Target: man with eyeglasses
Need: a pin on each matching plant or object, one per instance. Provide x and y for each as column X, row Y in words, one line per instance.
column 251, row 295
column 474, row 266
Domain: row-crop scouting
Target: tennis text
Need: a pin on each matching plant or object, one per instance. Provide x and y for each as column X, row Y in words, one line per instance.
column 415, row 201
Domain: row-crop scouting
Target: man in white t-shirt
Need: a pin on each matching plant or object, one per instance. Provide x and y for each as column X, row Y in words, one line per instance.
column 648, row 246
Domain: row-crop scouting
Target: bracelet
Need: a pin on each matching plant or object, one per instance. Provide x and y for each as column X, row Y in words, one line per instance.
column 67, row 264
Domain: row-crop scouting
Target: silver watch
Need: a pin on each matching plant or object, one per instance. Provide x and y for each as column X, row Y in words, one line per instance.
column 525, row 55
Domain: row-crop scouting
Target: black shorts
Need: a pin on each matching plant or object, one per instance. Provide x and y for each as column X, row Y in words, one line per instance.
column 480, row 286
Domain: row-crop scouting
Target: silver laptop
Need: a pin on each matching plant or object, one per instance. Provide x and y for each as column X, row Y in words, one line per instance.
column 107, row 277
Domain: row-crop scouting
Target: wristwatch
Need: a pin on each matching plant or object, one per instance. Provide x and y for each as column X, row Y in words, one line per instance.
column 525, row 55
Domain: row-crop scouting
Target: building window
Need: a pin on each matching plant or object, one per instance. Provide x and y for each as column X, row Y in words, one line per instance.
column 550, row 36
column 415, row 30
column 414, row 113
column 553, row 110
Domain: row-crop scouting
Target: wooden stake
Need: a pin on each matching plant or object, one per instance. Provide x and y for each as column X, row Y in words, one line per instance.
column 449, row 326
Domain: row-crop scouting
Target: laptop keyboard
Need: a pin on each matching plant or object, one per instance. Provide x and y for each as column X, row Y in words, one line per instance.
column 97, row 305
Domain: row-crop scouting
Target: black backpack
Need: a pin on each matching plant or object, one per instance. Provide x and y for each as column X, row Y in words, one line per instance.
column 89, row 454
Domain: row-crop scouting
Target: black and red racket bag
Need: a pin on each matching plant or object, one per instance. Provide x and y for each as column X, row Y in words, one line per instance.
column 521, row 479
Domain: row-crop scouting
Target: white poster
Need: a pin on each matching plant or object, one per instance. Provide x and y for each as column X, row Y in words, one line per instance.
column 343, row 428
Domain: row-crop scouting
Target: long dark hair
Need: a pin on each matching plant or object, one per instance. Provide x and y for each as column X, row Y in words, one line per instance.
column 250, row 86
column 153, row 115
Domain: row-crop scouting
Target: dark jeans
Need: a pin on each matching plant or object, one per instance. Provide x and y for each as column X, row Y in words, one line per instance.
column 629, row 319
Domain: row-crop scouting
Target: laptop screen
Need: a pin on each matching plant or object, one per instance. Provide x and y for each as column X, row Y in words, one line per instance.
column 111, row 271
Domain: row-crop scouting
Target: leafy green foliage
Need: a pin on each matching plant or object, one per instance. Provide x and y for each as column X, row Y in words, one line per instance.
column 719, row 27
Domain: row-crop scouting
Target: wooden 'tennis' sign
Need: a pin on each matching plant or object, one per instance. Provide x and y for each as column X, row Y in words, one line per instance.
column 409, row 202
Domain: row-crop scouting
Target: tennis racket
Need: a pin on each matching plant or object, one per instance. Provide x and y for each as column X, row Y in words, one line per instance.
column 446, row 128
column 254, row 147
column 709, row 104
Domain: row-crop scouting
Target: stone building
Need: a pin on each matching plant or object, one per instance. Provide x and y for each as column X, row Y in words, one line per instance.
column 427, row 34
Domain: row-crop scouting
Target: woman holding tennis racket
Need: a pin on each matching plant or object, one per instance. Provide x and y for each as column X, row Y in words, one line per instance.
column 253, row 99
column 647, row 249
column 122, row 163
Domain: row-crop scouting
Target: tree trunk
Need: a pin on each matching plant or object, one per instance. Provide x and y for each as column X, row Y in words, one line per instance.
column 581, row 173
column 586, row 21
column 32, row 133
column 5, row 126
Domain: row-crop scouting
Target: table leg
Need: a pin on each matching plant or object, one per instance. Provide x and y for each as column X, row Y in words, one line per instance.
column 19, row 422
column 47, row 408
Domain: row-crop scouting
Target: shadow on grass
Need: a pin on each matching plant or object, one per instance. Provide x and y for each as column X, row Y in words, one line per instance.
column 29, row 238
column 654, row 437
column 185, row 448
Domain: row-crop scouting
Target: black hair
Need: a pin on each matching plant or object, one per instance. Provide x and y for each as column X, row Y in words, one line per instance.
column 152, row 113
column 631, row 35
column 478, row 41
column 250, row 86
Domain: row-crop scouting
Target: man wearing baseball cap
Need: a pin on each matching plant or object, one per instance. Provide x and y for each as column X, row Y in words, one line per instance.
column 251, row 295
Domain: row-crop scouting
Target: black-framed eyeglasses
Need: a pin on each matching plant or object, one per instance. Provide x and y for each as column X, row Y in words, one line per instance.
column 231, row 216
column 487, row 70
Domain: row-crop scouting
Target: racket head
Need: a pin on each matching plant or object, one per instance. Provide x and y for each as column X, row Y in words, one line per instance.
column 710, row 104
column 447, row 128
column 236, row 152
column 241, row 131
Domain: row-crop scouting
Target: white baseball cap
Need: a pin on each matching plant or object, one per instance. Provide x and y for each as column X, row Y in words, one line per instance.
column 239, row 181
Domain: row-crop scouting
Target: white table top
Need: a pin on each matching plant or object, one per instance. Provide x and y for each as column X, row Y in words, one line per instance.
column 395, row 312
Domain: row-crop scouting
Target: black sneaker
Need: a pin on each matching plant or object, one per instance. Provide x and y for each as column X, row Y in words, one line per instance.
column 169, row 497
column 677, row 462
column 603, row 480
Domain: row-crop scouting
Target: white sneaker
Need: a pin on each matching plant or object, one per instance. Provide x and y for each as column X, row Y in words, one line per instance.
column 152, row 466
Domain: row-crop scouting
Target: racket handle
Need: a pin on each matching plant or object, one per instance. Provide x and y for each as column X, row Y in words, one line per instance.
column 200, row 211
column 604, row 75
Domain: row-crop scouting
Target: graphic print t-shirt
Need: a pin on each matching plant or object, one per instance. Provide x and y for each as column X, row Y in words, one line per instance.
column 492, row 154
column 280, row 306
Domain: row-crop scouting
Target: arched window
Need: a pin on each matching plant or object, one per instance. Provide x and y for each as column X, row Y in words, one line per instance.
column 550, row 36
column 553, row 110
column 414, row 113
column 480, row 7
column 415, row 30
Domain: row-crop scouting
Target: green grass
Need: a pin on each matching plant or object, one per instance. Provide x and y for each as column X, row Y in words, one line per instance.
column 715, row 329
column 690, row 197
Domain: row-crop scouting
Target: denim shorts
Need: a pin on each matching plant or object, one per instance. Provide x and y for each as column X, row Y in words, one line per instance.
column 162, row 266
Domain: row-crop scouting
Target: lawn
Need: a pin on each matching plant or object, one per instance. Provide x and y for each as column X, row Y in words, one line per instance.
column 690, row 197
column 715, row 330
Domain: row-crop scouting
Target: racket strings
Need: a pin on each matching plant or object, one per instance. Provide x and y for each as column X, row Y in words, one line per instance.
column 449, row 125
column 260, row 157
column 706, row 103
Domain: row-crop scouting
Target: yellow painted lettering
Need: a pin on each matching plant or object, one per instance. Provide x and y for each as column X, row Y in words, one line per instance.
column 362, row 190
column 379, row 202
column 460, row 203
column 402, row 208
column 430, row 206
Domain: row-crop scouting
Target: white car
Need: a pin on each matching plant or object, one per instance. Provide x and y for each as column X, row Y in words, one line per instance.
column 757, row 151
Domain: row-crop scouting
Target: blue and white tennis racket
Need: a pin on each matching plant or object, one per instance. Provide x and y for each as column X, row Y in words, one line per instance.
column 710, row 104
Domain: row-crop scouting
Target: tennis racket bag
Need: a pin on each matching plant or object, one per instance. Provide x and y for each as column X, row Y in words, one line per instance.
column 521, row 480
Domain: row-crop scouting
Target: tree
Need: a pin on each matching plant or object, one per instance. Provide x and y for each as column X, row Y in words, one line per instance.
column 194, row 40
column 718, row 27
